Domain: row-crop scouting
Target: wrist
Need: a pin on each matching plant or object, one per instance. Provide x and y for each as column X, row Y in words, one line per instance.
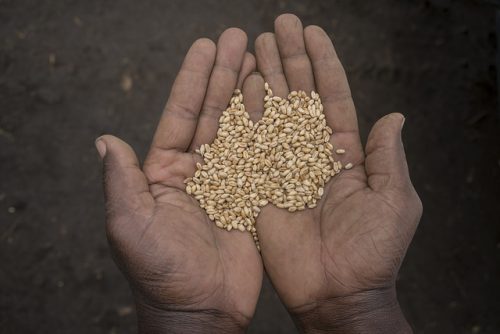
column 373, row 311
column 153, row 320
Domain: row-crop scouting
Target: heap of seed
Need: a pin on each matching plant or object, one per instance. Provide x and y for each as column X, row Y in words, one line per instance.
column 285, row 158
column 293, row 141
column 223, row 185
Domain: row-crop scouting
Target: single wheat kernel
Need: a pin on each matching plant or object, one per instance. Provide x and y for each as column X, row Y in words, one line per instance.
column 340, row 151
column 348, row 166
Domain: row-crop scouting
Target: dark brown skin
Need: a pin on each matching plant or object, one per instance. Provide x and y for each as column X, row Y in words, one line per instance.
column 339, row 260
column 187, row 275
column 334, row 266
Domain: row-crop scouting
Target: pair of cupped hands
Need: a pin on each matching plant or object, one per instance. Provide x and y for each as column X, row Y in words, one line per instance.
column 334, row 267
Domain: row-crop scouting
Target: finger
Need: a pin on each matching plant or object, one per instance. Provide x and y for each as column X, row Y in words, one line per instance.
column 231, row 49
column 331, row 81
column 248, row 66
column 125, row 186
column 269, row 63
column 296, row 64
column 385, row 161
column 253, row 96
column 180, row 117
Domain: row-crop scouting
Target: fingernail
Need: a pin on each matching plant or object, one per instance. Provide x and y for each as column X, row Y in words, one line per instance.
column 101, row 147
column 403, row 122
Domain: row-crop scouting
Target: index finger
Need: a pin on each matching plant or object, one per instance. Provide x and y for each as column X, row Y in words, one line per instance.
column 230, row 55
column 180, row 116
column 333, row 87
column 331, row 81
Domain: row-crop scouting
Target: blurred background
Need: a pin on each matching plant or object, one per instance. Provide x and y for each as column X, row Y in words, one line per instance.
column 73, row 70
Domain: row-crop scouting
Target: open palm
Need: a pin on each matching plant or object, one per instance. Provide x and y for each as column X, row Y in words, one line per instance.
column 355, row 239
column 174, row 257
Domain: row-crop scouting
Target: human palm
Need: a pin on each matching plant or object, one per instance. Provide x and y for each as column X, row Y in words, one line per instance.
column 355, row 239
column 174, row 257
column 181, row 266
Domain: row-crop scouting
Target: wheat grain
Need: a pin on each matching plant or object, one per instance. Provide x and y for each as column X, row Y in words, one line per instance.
column 285, row 159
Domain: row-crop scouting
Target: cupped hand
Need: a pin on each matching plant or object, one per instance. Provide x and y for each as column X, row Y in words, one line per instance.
column 186, row 274
column 335, row 265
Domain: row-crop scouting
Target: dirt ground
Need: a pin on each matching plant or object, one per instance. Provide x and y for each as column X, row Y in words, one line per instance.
column 72, row 70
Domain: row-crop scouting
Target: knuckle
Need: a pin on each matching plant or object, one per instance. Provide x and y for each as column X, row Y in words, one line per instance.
column 155, row 173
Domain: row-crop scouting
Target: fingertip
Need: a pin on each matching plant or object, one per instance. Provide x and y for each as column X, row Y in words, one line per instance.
column 263, row 39
column 269, row 63
column 394, row 119
column 113, row 148
column 204, row 45
column 251, row 61
column 386, row 132
column 395, row 115
column 105, row 143
column 249, row 65
column 201, row 55
column 257, row 74
column 400, row 118
column 110, row 140
column 223, row 79
column 231, row 49
column 294, row 58
column 314, row 29
column 100, row 145
column 253, row 81
column 204, row 42
column 286, row 20
column 234, row 34
column 253, row 94
column 316, row 36
column 385, row 163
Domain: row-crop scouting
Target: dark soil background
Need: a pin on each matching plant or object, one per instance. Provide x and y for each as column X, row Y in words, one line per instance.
column 72, row 70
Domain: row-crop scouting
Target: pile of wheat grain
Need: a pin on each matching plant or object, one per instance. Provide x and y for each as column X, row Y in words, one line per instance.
column 285, row 159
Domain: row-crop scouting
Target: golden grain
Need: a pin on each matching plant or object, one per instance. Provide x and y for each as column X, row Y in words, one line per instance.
column 284, row 159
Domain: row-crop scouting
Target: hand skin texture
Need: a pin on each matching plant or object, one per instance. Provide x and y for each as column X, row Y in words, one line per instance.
column 334, row 266
column 187, row 275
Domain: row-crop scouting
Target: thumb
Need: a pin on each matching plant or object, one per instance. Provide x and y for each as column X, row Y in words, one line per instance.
column 125, row 186
column 385, row 163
